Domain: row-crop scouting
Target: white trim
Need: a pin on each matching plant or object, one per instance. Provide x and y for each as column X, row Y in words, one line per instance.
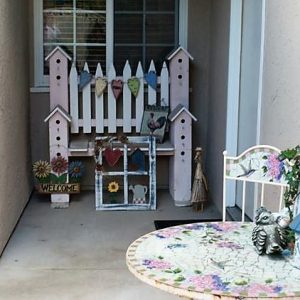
column 39, row 78
column 183, row 23
column 234, row 67
column 60, row 110
column 261, row 69
column 180, row 48
column 109, row 34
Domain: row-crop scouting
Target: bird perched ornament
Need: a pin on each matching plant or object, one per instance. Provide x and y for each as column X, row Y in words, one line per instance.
column 268, row 236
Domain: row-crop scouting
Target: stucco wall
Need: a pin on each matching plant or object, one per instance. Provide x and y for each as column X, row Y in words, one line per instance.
column 280, row 125
column 216, row 121
column 15, row 180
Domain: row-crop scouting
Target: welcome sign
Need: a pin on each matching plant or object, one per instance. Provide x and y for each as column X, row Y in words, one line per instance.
column 63, row 188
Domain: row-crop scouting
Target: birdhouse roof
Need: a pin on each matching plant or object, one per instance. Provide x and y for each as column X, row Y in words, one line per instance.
column 60, row 110
column 172, row 54
column 58, row 49
column 178, row 110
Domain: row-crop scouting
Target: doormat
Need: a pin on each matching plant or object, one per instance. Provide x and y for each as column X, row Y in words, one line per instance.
column 160, row 224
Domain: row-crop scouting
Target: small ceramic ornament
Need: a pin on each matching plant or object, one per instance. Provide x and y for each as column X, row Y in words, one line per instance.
column 112, row 156
column 117, row 86
column 138, row 159
column 134, row 85
column 151, row 79
column 139, row 193
column 267, row 236
column 100, row 86
column 84, row 79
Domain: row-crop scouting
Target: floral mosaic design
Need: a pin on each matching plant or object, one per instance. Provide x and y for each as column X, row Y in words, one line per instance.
column 215, row 258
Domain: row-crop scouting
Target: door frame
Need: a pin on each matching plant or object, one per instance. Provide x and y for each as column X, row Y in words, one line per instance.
column 233, row 91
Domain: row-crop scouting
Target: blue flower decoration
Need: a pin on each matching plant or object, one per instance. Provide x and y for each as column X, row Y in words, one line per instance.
column 76, row 170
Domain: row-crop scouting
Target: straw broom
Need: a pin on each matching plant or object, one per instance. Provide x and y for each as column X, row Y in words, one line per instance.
column 200, row 189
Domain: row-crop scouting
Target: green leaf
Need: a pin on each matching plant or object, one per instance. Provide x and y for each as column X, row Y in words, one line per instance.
column 160, row 257
column 197, row 272
column 62, row 178
column 177, row 270
column 53, row 178
column 265, row 157
column 179, row 278
column 269, row 280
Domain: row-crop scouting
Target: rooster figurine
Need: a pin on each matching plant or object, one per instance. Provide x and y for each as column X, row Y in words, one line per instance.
column 155, row 124
column 268, row 236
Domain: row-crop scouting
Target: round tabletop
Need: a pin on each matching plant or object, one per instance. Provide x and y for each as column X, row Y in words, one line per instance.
column 211, row 260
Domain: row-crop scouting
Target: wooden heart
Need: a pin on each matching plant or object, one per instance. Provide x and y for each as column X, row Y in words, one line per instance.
column 117, row 86
column 151, row 79
column 84, row 79
column 112, row 156
column 100, row 86
column 134, row 85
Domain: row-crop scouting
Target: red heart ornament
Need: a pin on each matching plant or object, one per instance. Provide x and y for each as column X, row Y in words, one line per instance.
column 117, row 87
column 112, row 156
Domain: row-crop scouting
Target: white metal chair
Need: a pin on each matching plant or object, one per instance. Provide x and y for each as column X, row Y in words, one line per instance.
column 252, row 166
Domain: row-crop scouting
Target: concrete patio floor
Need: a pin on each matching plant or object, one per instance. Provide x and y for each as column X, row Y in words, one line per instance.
column 79, row 253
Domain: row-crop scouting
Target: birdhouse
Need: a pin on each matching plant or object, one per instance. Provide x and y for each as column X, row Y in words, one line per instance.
column 59, row 121
column 181, row 162
column 58, row 78
column 179, row 77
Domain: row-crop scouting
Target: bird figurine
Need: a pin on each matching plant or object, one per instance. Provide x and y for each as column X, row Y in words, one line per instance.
column 247, row 171
column 155, row 124
column 268, row 236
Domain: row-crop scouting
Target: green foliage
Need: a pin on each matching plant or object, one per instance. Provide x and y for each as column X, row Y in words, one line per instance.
column 292, row 175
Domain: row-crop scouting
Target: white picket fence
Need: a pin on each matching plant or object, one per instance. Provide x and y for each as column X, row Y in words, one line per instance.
column 107, row 102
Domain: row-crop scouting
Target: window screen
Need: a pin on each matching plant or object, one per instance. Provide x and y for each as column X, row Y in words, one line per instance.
column 143, row 30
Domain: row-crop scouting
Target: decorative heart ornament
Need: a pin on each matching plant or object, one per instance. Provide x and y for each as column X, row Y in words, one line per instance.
column 151, row 79
column 134, row 85
column 100, row 86
column 112, row 156
column 117, row 86
column 84, row 78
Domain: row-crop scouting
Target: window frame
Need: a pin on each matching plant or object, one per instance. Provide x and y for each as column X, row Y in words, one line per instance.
column 41, row 80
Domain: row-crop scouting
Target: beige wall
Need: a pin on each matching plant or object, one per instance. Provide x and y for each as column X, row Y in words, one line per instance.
column 280, row 125
column 15, row 178
column 216, row 122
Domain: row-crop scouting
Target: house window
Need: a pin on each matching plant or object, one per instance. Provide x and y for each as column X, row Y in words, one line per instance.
column 106, row 31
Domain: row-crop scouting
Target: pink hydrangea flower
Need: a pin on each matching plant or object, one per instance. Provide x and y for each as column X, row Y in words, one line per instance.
column 274, row 166
column 156, row 264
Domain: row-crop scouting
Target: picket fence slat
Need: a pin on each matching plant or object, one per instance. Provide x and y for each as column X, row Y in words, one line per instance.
column 107, row 102
column 112, row 107
column 74, row 99
column 86, row 105
column 151, row 91
column 126, row 99
column 99, row 104
column 139, row 104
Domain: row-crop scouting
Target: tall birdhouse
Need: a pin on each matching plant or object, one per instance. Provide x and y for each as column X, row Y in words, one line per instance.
column 58, row 78
column 58, row 117
column 180, row 180
column 59, row 121
column 179, row 68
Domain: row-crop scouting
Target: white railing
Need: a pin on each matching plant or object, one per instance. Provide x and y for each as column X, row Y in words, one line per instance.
column 107, row 102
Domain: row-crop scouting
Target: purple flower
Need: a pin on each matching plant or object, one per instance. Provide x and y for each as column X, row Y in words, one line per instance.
column 156, row 264
column 274, row 166
column 230, row 245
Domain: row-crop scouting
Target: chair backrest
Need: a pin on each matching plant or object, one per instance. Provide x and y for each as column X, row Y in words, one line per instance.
column 258, row 164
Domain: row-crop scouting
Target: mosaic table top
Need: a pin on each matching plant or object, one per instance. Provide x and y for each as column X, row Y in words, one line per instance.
column 211, row 260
